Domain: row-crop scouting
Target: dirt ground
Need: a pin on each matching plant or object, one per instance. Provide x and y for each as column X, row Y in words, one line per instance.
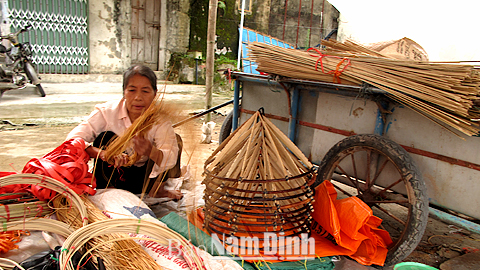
column 34, row 138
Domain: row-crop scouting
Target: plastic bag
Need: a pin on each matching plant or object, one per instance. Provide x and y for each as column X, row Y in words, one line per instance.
column 347, row 227
column 48, row 260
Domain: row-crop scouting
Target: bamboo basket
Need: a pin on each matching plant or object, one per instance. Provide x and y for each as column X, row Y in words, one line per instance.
column 47, row 182
column 257, row 182
column 115, row 249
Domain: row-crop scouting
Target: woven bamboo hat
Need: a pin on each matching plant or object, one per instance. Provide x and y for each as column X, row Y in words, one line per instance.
column 256, row 182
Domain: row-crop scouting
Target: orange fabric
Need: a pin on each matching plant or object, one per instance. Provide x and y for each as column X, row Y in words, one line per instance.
column 351, row 224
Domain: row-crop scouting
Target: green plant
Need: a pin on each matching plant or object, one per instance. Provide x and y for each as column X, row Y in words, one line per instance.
column 225, row 59
column 222, row 6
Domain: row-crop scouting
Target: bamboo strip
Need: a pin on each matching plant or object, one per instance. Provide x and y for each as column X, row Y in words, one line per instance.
column 40, row 224
column 158, row 233
column 49, row 183
column 121, row 254
column 23, row 210
column 261, row 156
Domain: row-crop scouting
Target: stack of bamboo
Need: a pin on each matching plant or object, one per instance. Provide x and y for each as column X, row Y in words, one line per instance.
column 256, row 182
column 22, row 206
column 117, row 250
column 444, row 93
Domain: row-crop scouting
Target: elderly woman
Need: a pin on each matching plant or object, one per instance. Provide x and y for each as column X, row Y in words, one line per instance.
column 109, row 120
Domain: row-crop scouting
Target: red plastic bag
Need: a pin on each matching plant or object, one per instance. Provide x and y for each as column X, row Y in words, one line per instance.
column 68, row 163
column 347, row 227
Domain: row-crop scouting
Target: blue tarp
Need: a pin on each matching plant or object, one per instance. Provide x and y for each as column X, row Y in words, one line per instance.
column 249, row 36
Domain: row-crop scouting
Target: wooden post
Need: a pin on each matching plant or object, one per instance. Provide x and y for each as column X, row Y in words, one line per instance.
column 212, row 25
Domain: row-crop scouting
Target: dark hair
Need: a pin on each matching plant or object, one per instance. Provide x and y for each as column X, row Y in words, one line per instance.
column 141, row 70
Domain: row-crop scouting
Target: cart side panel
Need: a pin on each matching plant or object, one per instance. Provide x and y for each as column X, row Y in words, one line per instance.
column 409, row 128
column 345, row 116
column 273, row 100
column 304, row 138
column 450, row 181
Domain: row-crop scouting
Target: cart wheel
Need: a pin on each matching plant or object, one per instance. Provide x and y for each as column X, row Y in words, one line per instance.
column 383, row 175
column 226, row 128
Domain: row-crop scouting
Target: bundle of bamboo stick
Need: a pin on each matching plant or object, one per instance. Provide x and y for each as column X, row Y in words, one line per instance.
column 444, row 93
column 22, row 205
column 257, row 181
column 159, row 111
column 116, row 252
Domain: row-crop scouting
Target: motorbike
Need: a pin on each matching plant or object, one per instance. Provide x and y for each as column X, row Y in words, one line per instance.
column 15, row 63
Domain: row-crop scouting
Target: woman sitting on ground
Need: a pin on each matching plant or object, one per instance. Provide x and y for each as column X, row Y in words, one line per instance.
column 111, row 119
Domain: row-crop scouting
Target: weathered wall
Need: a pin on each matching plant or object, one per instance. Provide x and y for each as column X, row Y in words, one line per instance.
column 109, row 33
column 184, row 24
column 227, row 26
column 268, row 17
column 177, row 29
column 309, row 31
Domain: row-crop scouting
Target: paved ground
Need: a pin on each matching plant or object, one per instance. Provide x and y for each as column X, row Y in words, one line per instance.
column 41, row 124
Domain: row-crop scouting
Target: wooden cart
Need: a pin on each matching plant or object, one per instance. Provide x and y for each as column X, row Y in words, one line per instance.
column 391, row 157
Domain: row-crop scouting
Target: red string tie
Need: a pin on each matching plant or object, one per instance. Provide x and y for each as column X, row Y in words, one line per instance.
column 345, row 62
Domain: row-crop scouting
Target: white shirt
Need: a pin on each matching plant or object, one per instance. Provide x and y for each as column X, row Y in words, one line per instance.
column 113, row 116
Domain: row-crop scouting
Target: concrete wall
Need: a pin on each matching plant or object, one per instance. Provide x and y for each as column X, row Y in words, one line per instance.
column 345, row 31
column 176, row 36
column 109, row 33
column 311, row 29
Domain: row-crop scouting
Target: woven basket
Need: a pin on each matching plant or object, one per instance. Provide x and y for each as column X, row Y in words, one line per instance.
column 257, row 182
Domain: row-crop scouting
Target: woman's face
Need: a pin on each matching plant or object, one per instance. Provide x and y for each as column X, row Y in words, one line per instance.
column 138, row 94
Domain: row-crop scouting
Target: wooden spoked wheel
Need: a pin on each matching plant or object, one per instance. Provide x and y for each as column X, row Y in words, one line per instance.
column 384, row 176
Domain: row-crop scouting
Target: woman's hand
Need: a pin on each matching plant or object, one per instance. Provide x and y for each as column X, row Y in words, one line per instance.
column 120, row 160
column 142, row 146
column 167, row 193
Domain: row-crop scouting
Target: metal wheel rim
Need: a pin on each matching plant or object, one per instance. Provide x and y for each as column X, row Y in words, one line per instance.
column 335, row 169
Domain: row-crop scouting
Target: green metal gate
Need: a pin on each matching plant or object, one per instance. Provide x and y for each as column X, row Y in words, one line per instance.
column 59, row 37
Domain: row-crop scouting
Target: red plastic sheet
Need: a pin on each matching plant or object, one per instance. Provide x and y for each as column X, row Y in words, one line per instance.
column 68, row 164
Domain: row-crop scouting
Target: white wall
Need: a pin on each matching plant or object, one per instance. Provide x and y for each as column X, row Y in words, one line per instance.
column 109, row 34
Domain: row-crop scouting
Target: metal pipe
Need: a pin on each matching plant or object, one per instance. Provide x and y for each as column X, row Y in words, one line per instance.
column 236, row 105
column 350, row 90
column 311, row 22
column 298, row 24
column 202, row 113
column 240, row 36
column 285, row 19
column 321, row 22
column 292, row 125
column 458, row 221
column 379, row 122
